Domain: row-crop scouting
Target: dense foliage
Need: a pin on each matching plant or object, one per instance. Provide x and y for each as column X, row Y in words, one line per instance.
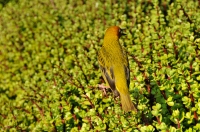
column 49, row 73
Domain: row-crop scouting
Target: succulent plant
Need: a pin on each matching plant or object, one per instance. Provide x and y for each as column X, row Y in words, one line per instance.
column 49, row 73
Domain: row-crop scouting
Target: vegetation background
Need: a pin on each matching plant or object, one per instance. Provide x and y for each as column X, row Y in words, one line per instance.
column 49, row 73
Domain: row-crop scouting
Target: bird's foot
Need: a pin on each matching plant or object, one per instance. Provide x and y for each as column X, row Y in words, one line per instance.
column 103, row 88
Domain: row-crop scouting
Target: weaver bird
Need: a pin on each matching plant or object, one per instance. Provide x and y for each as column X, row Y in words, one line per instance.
column 114, row 66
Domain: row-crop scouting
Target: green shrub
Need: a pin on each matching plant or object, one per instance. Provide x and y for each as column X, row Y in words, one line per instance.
column 49, row 73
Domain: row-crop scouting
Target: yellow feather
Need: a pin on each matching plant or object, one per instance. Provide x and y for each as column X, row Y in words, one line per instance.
column 114, row 66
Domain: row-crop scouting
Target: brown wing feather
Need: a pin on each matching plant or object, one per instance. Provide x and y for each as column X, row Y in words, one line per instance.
column 127, row 72
column 126, row 66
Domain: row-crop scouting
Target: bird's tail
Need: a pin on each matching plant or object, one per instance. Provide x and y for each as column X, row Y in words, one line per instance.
column 126, row 102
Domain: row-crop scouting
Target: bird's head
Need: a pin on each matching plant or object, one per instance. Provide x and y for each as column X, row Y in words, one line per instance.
column 114, row 31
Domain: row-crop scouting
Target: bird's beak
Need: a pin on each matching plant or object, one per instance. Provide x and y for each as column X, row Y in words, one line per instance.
column 122, row 32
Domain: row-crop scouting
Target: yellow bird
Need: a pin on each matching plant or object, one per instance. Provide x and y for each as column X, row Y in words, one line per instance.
column 114, row 66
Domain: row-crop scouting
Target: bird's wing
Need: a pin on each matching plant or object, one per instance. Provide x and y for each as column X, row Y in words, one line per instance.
column 127, row 72
column 126, row 66
column 107, row 71
column 108, row 76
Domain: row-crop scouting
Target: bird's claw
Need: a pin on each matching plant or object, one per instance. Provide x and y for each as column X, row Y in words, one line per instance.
column 103, row 87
